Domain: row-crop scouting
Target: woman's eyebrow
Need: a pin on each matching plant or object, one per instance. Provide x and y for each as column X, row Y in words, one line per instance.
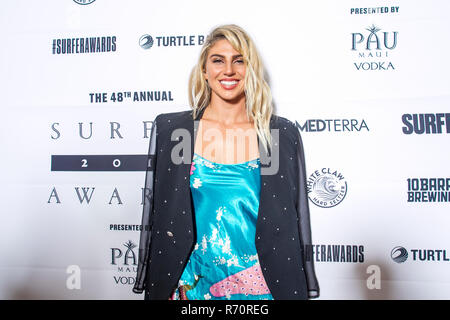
column 221, row 56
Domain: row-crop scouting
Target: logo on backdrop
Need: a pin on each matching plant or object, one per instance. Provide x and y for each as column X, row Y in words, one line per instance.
column 147, row 41
column 85, row 194
column 426, row 123
column 333, row 125
column 83, row 2
column 373, row 48
column 326, row 187
column 338, row 253
column 428, row 189
column 84, row 45
column 125, row 260
column 400, row 255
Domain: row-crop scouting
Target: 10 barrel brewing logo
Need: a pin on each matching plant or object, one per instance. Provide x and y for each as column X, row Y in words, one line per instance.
column 373, row 47
column 428, row 189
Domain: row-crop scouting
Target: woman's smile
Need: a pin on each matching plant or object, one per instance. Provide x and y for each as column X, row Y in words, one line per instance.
column 229, row 84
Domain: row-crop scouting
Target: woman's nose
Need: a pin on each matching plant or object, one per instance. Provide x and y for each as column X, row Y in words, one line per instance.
column 229, row 68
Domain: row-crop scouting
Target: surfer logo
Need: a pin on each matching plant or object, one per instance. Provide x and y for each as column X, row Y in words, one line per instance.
column 326, row 188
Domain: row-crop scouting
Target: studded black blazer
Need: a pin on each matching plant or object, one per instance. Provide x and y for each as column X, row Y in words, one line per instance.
column 283, row 231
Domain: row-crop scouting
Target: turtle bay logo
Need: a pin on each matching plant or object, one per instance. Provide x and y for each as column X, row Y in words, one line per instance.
column 326, row 187
column 399, row 254
column 83, row 2
column 125, row 259
column 374, row 49
column 146, row 41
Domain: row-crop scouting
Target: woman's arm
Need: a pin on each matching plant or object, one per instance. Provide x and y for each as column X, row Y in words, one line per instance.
column 305, row 223
column 147, row 214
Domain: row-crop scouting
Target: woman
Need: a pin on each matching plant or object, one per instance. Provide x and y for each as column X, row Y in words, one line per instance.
column 220, row 224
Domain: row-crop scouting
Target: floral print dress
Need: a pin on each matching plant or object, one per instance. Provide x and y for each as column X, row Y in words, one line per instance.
column 224, row 263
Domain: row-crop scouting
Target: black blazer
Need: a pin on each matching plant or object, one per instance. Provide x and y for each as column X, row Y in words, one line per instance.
column 283, row 233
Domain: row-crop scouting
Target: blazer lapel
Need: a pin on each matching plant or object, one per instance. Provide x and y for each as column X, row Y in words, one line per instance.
column 266, row 181
column 191, row 126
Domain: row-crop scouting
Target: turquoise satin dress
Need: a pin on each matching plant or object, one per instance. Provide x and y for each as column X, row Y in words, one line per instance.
column 224, row 263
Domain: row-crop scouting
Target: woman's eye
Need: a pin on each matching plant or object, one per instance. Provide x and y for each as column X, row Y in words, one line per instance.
column 217, row 60
column 239, row 61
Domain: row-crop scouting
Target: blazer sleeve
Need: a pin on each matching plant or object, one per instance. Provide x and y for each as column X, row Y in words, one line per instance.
column 305, row 223
column 147, row 214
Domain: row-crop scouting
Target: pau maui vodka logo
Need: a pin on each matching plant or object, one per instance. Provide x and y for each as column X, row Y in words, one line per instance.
column 326, row 187
column 373, row 48
column 125, row 260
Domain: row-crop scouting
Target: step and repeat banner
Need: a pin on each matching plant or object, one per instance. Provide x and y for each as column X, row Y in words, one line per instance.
column 366, row 82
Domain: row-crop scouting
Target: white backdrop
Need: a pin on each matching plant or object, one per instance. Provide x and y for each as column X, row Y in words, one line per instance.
column 58, row 242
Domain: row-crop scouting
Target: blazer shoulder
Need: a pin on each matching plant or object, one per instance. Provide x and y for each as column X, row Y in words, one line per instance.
column 286, row 127
column 173, row 120
column 174, row 116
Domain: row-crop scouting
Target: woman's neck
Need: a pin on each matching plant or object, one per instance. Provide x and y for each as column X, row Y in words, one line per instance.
column 227, row 113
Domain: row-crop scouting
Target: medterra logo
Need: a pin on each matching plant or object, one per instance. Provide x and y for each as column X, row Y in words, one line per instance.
column 326, row 187
column 374, row 47
column 83, row 2
column 399, row 254
column 332, row 125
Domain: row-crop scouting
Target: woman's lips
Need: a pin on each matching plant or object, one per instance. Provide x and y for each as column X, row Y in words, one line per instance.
column 229, row 84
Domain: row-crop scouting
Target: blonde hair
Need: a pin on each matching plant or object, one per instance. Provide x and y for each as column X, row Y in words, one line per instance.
column 258, row 97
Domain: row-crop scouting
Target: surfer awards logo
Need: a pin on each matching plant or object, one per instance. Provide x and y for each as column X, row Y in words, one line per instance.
column 326, row 187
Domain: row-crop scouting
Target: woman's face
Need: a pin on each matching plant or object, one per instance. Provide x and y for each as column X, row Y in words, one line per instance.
column 225, row 72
